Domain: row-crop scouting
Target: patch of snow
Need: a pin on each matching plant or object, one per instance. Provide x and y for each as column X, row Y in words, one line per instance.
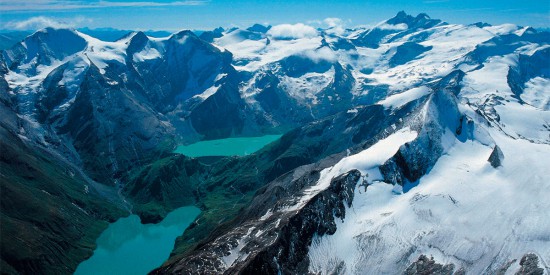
column 524, row 121
column 208, row 92
column 398, row 100
column 102, row 53
column 305, row 87
column 73, row 74
column 235, row 253
column 490, row 79
column 449, row 46
column 251, row 55
column 363, row 161
column 148, row 53
column 536, row 93
column 266, row 215
column 502, row 29
column 391, row 27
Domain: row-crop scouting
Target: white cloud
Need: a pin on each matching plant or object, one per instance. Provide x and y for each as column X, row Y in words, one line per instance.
column 314, row 22
column 40, row 22
column 397, row 27
column 39, row 5
column 331, row 25
column 335, row 25
column 289, row 31
column 333, row 22
column 322, row 54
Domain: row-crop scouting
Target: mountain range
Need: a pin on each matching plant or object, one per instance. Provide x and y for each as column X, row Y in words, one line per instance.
column 411, row 146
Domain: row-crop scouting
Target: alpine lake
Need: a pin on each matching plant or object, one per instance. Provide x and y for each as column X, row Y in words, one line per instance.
column 129, row 247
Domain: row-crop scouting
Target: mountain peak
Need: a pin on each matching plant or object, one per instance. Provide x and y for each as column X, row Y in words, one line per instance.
column 400, row 17
column 423, row 16
column 422, row 20
column 53, row 29
column 137, row 40
column 183, row 36
column 51, row 33
column 481, row 24
column 52, row 43
column 183, row 33
column 129, row 36
column 209, row 36
column 259, row 28
column 140, row 36
column 401, row 14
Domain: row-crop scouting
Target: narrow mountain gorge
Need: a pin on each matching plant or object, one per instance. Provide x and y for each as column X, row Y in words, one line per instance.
column 414, row 146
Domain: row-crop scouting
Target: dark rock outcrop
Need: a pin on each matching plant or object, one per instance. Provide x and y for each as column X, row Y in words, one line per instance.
column 46, row 46
column 428, row 266
column 281, row 241
column 289, row 253
column 530, row 265
column 209, row 36
column 414, row 159
column 403, row 24
column 407, row 52
column 496, row 157
column 259, row 28
column 52, row 213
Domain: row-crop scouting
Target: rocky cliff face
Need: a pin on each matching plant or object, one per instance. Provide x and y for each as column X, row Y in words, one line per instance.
column 275, row 243
column 52, row 212
column 318, row 217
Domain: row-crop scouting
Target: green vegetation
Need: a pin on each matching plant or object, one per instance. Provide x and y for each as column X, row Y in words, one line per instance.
column 51, row 215
column 224, row 186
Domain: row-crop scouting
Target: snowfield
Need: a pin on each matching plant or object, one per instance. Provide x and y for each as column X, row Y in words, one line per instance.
column 463, row 211
column 365, row 161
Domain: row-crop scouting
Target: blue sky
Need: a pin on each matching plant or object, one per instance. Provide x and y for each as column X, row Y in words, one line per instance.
column 207, row 14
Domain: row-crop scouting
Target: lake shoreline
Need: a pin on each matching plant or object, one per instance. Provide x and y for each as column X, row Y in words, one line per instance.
column 129, row 246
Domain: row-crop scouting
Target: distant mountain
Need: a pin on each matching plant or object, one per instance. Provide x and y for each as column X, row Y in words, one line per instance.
column 112, row 35
column 412, row 139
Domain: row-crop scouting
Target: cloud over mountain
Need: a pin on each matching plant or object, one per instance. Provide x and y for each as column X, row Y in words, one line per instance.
column 40, row 22
column 292, row 31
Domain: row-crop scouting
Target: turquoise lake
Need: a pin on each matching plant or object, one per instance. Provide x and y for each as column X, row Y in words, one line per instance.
column 129, row 247
column 226, row 147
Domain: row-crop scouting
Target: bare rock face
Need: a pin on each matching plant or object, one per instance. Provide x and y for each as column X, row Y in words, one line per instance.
column 282, row 240
column 288, row 254
column 530, row 265
column 414, row 159
column 496, row 157
column 425, row 265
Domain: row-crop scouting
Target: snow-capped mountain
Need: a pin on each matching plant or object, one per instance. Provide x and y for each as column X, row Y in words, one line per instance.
column 411, row 139
column 446, row 182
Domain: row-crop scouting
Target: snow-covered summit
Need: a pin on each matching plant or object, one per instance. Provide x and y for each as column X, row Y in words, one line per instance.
column 312, row 71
